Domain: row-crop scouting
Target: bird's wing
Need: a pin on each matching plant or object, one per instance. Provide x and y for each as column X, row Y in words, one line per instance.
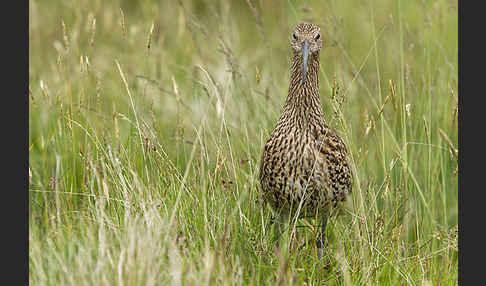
column 332, row 148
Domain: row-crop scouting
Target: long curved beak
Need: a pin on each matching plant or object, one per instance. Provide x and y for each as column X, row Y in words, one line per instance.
column 305, row 57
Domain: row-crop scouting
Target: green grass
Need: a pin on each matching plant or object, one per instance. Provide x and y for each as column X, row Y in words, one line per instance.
column 145, row 141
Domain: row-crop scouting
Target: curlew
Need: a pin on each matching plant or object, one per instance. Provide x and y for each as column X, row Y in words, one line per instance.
column 304, row 169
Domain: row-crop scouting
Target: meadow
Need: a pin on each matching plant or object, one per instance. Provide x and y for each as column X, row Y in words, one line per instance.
column 147, row 120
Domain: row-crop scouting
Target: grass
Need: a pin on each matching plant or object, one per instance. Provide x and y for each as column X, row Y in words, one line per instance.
column 147, row 121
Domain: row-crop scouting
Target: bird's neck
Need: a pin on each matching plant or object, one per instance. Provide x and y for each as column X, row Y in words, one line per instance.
column 303, row 101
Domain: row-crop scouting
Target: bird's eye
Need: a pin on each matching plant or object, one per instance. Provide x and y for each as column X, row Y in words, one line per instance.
column 294, row 36
column 318, row 36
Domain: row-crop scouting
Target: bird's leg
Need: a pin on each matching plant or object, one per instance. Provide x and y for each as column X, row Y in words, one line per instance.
column 321, row 238
column 279, row 225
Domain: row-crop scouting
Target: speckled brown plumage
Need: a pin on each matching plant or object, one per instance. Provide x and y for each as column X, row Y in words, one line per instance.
column 304, row 161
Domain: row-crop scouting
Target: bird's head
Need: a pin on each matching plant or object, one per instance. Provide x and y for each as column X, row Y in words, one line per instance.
column 306, row 40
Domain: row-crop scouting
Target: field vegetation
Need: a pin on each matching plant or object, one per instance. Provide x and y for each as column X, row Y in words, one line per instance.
column 147, row 120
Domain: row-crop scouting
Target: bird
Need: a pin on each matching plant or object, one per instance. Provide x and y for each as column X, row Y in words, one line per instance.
column 304, row 167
